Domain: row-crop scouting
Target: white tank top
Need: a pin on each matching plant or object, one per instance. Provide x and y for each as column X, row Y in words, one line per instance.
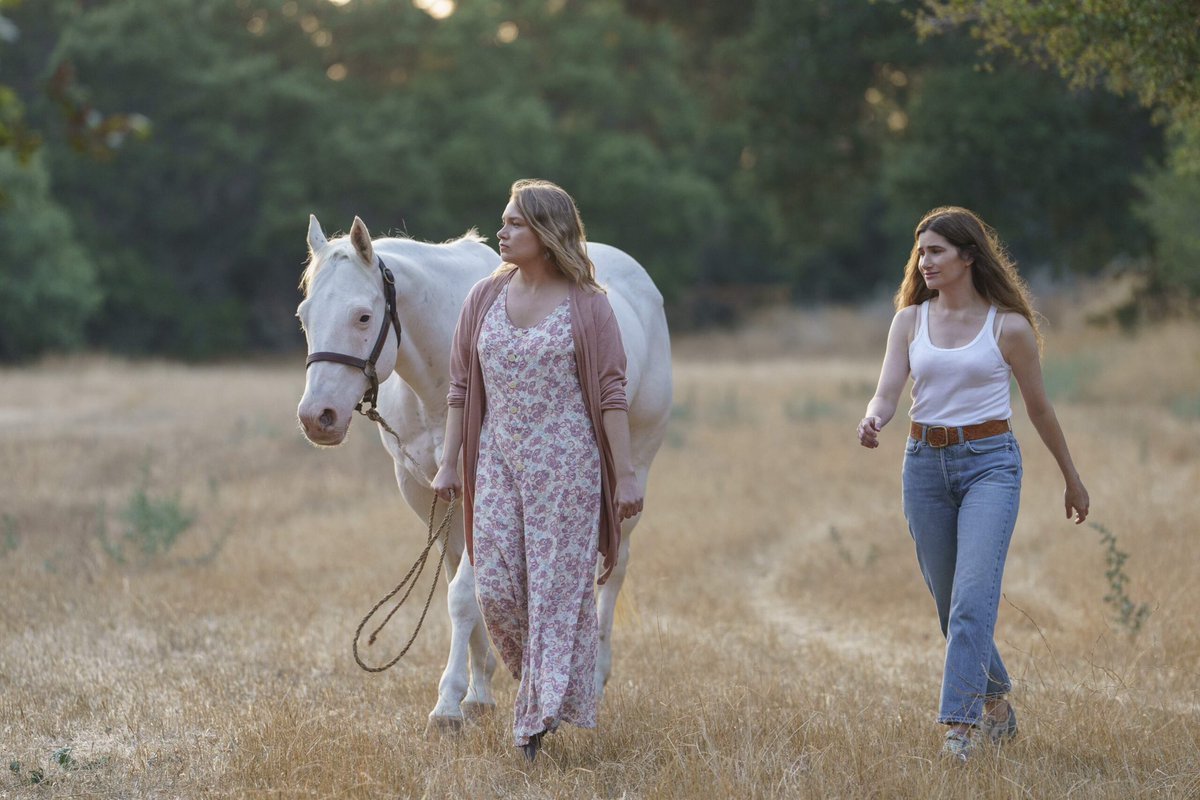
column 959, row 385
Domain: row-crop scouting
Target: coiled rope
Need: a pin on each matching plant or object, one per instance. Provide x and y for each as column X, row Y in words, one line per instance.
column 410, row 579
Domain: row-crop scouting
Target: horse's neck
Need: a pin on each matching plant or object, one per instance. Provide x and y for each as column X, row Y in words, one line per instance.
column 429, row 295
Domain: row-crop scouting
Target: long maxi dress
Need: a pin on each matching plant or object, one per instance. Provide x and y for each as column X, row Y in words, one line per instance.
column 537, row 513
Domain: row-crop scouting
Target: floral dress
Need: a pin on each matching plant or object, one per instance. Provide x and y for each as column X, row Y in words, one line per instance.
column 537, row 514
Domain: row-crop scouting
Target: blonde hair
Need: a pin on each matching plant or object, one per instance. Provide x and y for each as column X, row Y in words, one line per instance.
column 993, row 272
column 552, row 214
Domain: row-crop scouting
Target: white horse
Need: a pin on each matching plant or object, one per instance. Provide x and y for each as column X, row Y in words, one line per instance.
column 345, row 312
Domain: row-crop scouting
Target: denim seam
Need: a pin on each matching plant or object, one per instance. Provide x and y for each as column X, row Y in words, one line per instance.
column 946, row 477
column 1010, row 525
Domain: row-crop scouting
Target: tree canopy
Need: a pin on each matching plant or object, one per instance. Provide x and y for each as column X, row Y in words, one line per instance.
column 788, row 144
column 1150, row 50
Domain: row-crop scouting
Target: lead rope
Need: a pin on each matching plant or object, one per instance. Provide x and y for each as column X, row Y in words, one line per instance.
column 414, row 572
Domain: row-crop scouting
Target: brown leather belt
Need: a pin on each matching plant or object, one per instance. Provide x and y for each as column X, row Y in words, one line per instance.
column 940, row 435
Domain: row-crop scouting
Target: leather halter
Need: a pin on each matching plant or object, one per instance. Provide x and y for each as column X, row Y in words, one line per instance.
column 367, row 365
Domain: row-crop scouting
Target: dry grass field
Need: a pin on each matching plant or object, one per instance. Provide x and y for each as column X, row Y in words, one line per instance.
column 181, row 574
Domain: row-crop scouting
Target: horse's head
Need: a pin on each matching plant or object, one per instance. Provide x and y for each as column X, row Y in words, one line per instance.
column 344, row 314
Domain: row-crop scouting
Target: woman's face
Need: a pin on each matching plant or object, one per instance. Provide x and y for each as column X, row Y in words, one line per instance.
column 518, row 243
column 940, row 262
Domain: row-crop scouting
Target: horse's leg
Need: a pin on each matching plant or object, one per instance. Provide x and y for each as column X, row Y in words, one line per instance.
column 606, row 605
column 465, row 690
column 452, row 688
column 465, row 611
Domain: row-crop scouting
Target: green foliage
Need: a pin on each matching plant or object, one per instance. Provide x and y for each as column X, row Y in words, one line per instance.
column 811, row 149
column 995, row 142
column 1128, row 614
column 152, row 524
column 425, row 127
column 1171, row 208
column 15, row 134
column 1150, row 50
column 772, row 142
column 16, row 137
column 8, row 527
column 47, row 281
column 63, row 758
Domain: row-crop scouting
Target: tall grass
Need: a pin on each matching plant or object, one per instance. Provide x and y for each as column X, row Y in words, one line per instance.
column 774, row 638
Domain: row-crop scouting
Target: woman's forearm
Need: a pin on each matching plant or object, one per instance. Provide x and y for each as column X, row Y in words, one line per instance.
column 452, row 442
column 616, row 430
column 883, row 408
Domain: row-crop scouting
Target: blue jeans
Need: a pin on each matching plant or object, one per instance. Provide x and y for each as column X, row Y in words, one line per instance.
column 961, row 505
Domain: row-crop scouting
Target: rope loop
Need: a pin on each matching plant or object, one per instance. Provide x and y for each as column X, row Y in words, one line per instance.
column 410, row 581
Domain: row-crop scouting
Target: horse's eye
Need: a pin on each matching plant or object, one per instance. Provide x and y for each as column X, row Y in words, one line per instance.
column 364, row 319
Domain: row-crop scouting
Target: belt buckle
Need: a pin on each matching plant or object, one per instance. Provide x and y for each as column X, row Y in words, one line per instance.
column 929, row 436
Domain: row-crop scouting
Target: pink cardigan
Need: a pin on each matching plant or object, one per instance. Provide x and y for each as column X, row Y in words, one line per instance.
column 600, row 358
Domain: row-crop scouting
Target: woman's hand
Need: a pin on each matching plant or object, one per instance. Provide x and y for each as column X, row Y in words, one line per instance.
column 868, row 431
column 628, row 498
column 1076, row 500
column 446, row 484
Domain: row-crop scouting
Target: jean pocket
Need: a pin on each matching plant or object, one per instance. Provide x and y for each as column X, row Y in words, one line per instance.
column 992, row 444
column 911, row 446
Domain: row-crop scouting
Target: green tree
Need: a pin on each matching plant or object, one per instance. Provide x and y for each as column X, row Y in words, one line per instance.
column 1151, row 50
column 1171, row 209
column 268, row 110
column 15, row 134
column 47, row 280
column 1052, row 170
column 185, row 237
column 813, row 141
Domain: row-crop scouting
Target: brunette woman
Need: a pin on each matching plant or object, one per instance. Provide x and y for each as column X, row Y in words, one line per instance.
column 964, row 325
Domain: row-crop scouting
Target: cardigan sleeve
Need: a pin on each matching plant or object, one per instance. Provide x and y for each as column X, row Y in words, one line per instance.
column 610, row 356
column 460, row 349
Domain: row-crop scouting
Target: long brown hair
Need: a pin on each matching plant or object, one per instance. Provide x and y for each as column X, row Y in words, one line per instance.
column 554, row 217
column 993, row 273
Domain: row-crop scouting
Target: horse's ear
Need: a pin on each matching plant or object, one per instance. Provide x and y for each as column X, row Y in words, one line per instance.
column 316, row 236
column 361, row 238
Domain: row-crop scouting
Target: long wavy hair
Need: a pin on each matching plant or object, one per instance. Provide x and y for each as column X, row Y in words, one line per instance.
column 552, row 214
column 993, row 273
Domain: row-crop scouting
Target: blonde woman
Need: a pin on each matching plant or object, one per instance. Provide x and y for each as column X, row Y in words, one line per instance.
column 538, row 409
column 964, row 324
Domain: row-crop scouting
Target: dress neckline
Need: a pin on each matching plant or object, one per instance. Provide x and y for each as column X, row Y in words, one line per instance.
column 539, row 323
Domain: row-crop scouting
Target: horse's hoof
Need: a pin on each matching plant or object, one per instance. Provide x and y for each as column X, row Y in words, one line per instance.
column 477, row 711
column 443, row 726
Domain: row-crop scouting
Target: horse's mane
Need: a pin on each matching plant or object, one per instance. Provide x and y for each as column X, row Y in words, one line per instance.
column 312, row 265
